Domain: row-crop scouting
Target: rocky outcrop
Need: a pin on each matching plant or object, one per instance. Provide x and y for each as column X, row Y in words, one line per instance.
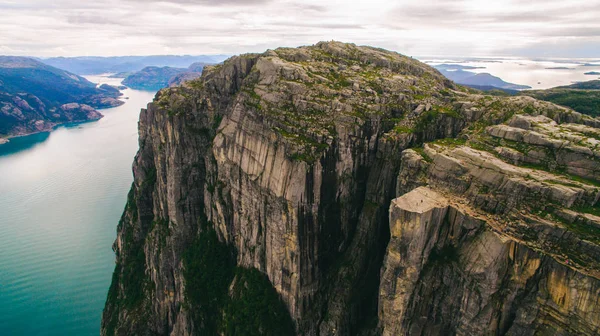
column 291, row 158
column 449, row 270
column 23, row 114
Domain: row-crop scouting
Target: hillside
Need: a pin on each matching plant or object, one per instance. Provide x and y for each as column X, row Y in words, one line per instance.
column 343, row 190
column 152, row 78
column 35, row 97
column 582, row 97
column 155, row 78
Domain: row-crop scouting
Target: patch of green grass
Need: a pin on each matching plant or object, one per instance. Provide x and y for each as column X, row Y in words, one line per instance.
column 399, row 129
column 450, row 142
column 421, row 151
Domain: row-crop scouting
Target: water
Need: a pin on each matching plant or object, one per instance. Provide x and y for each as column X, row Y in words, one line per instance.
column 61, row 196
column 531, row 72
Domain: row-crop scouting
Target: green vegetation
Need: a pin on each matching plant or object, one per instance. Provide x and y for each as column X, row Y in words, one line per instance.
column 586, row 231
column 209, row 269
column 255, row 307
column 252, row 308
column 130, row 274
column 450, row 142
column 583, row 101
column 429, row 117
column 424, row 155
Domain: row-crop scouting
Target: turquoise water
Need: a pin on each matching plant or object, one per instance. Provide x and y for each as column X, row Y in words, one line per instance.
column 61, row 196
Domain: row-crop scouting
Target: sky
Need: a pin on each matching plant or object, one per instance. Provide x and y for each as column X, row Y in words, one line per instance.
column 533, row 28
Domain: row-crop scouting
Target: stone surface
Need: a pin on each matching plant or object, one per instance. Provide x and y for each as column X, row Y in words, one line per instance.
column 294, row 156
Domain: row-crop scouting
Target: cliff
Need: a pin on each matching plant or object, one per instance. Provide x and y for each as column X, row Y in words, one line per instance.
column 274, row 196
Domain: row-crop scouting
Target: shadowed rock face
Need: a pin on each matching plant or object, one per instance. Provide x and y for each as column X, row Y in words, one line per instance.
column 293, row 158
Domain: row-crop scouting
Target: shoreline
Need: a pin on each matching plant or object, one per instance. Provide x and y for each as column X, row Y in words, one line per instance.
column 5, row 140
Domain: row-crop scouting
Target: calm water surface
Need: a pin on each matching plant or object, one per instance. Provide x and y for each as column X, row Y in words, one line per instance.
column 535, row 73
column 61, row 196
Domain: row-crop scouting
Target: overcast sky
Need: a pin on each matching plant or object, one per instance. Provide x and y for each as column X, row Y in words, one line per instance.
column 549, row 28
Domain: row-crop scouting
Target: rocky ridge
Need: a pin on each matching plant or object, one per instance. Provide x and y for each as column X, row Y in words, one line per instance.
column 304, row 164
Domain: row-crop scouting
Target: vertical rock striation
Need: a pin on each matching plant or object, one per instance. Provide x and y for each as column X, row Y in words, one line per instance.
column 286, row 163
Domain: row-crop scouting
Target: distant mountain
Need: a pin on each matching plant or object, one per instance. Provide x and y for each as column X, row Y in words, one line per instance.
column 454, row 66
column 194, row 71
column 582, row 97
column 477, row 79
column 99, row 65
column 487, row 79
column 122, row 74
column 35, row 97
column 156, row 78
column 152, row 78
column 592, row 73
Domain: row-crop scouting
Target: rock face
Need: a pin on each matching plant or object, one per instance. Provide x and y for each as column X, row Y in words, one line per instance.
column 298, row 161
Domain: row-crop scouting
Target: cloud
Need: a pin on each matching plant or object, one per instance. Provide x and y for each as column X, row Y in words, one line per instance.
column 221, row 3
column 427, row 27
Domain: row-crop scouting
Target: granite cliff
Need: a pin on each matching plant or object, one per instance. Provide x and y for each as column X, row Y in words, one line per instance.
column 344, row 190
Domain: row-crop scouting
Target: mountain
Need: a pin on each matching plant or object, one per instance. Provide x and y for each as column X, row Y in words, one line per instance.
column 472, row 79
column 194, row 71
column 101, row 65
column 453, row 66
column 35, row 97
column 155, row 78
column 582, row 97
column 152, row 78
column 343, row 190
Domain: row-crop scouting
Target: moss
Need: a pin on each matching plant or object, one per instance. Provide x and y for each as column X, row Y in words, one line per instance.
column 400, row 129
column 590, row 209
column 426, row 119
column 424, row 155
column 450, row 142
